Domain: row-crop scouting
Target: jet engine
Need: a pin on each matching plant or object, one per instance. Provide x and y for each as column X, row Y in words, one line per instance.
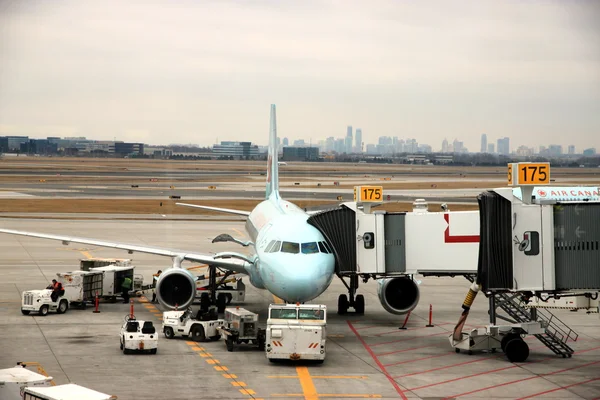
column 176, row 287
column 398, row 295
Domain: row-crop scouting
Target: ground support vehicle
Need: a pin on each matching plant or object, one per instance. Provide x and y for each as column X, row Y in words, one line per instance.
column 138, row 335
column 241, row 326
column 509, row 338
column 228, row 292
column 296, row 332
column 79, row 287
column 113, row 279
column 181, row 323
column 14, row 380
column 69, row 391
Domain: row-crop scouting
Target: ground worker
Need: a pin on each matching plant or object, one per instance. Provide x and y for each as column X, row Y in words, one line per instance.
column 57, row 290
column 154, row 280
column 125, row 287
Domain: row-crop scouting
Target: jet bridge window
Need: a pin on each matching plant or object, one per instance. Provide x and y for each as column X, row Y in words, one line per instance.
column 310, row 248
column 289, row 247
column 283, row 313
column 311, row 314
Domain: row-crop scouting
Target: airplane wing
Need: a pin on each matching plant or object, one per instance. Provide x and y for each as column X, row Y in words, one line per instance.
column 223, row 210
column 231, row 263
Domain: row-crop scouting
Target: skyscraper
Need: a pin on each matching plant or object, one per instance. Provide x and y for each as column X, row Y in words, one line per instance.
column 445, row 146
column 286, row 141
column 571, row 149
column 484, row 143
column 358, row 140
column 348, row 141
column 491, row 149
column 503, row 146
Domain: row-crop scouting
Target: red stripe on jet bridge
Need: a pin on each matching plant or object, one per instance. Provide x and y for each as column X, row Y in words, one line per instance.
column 458, row 238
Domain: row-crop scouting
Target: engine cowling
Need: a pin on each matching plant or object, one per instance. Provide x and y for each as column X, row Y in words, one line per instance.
column 398, row 295
column 176, row 287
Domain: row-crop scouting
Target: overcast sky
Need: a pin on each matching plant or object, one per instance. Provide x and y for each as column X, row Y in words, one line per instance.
column 199, row 71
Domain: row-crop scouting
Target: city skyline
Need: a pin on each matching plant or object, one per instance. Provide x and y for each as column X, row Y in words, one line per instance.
column 211, row 69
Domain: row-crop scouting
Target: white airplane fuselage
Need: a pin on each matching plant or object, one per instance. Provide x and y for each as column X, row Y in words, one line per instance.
column 291, row 260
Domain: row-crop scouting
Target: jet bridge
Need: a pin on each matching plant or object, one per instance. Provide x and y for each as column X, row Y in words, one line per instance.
column 392, row 247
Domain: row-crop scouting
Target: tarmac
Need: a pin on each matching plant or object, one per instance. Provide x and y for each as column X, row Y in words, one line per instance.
column 367, row 356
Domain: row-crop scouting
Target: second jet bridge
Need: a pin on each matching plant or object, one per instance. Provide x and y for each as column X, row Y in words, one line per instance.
column 381, row 244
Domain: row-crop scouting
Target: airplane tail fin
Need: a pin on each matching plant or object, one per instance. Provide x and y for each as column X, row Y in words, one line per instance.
column 272, row 159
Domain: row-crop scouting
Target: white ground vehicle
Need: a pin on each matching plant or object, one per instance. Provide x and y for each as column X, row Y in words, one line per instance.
column 69, row 391
column 14, row 380
column 113, row 279
column 138, row 335
column 79, row 287
column 181, row 323
column 230, row 293
column 296, row 331
column 241, row 326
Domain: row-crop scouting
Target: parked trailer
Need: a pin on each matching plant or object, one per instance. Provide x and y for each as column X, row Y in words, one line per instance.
column 69, row 391
column 14, row 380
column 296, row 332
column 113, row 279
column 241, row 326
column 78, row 286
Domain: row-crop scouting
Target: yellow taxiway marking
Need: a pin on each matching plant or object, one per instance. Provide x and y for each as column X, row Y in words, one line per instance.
column 191, row 343
column 240, row 384
column 308, row 386
column 196, row 348
column 86, row 254
column 221, row 368
column 205, row 355
column 230, row 376
column 212, row 362
column 249, row 392
column 340, row 395
column 321, row 376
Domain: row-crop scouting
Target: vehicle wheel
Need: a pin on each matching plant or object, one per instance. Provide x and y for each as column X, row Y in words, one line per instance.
column 126, row 351
column 215, row 338
column 517, row 350
column 44, row 310
column 197, row 333
column 470, row 352
column 120, row 345
column 229, row 343
column 272, row 360
column 25, row 312
column 153, row 351
column 229, row 298
column 343, row 304
column 359, row 304
column 319, row 361
column 169, row 334
column 63, row 306
column 507, row 339
column 221, row 303
column 457, row 350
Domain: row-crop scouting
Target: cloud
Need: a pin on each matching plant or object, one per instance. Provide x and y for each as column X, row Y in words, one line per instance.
column 200, row 70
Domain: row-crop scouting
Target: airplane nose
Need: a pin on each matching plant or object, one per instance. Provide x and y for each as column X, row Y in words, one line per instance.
column 301, row 281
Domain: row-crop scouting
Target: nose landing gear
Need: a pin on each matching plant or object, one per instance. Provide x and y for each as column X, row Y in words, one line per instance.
column 352, row 300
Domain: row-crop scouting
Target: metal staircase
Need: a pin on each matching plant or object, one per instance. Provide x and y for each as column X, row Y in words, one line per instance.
column 557, row 333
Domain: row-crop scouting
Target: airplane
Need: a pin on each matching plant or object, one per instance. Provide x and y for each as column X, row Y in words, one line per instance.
column 291, row 258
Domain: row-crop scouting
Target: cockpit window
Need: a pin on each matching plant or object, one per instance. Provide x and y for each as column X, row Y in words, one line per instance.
column 276, row 247
column 323, row 248
column 289, row 247
column 328, row 247
column 269, row 246
column 310, row 248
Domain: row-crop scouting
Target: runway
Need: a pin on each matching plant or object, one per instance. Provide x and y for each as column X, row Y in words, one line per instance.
column 368, row 356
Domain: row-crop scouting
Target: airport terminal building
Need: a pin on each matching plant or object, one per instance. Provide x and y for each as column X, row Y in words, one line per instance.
column 236, row 149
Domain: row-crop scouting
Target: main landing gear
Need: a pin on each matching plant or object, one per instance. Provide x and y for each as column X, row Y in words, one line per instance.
column 210, row 297
column 352, row 300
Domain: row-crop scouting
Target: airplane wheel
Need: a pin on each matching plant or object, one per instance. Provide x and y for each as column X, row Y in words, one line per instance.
column 169, row 334
column 359, row 304
column 63, row 306
column 198, row 333
column 517, row 350
column 25, row 312
column 343, row 304
column 44, row 310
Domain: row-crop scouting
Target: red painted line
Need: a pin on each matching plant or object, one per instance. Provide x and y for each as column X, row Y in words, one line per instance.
column 367, row 327
column 379, row 364
column 409, row 349
column 447, row 366
column 521, row 380
column 411, row 338
column 408, row 329
column 560, row 388
column 457, row 238
column 417, row 359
